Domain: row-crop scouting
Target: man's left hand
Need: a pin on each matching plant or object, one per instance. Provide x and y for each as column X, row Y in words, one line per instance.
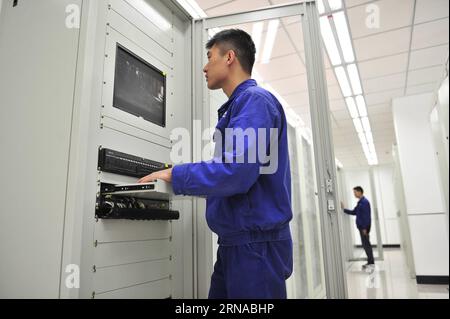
column 165, row 175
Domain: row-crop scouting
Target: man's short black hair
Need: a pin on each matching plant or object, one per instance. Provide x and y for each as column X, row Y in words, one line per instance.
column 240, row 42
column 359, row 189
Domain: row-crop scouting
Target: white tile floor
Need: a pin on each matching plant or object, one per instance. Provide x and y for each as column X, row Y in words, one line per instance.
column 390, row 280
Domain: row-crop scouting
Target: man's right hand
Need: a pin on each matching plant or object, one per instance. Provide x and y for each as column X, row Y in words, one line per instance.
column 342, row 205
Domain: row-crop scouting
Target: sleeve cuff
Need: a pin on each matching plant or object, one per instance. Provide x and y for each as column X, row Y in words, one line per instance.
column 179, row 178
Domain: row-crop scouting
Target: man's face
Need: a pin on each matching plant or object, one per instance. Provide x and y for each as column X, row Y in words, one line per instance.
column 217, row 69
column 357, row 194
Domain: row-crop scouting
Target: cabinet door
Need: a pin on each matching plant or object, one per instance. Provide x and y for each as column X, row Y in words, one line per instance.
column 38, row 53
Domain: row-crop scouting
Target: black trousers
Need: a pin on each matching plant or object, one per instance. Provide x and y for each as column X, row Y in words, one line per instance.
column 365, row 240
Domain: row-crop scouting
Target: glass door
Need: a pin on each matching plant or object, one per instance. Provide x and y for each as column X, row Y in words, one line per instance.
column 289, row 64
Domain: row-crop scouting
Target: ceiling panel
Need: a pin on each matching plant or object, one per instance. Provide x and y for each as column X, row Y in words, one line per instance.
column 428, row 57
column 303, row 111
column 352, row 3
column 281, row 47
column 337, row 104
column 296, row 34
column 297, row 99
column 351, row 163
column 280, row 68
column 334, row 92
column 430, row 34
column 379, row 108
column 382, row 131
column 424, row 76
column 384, row 83
column 236, row 6
column 427, row 10
column 345, row 133
column 290, row 85
column 350, row 145
column 342, row 141
column 344, row 129
column 331, row 77
column 419, row 89
column 207, row 4
column 289, row 20
column 341, row 115
column 394, row 15
column 383, row 97
column 385, row 118
column 383, row 66
column 389, row 43
column 347, row 137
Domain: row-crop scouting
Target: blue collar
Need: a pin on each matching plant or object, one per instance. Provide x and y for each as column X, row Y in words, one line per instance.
column 237, row 91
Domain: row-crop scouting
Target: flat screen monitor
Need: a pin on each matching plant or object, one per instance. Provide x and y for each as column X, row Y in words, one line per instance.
column 139, row 87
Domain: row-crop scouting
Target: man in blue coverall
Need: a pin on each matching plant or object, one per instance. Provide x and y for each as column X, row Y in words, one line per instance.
column 363, row 222
column 248, row 209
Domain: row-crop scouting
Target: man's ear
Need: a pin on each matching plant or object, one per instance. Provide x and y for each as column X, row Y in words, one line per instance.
column 231, row 56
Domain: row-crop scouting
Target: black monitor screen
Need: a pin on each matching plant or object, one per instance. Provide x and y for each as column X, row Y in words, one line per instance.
column 139, row 88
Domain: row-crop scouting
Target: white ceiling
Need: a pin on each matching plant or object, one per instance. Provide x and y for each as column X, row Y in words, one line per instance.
column 404, row 56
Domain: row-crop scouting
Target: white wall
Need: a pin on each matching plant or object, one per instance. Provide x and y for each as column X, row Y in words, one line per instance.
column 440, row 132
column 415, row 146
column 387, row 205
column 443, row 108
column 422, row 187
column 35, row 133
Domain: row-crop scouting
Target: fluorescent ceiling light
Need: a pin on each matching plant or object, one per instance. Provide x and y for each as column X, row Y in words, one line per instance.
column 366, row 150
column 362, row 108
column 270, row 40
column 351, row 106
column 320, row 6
column 335, row 4
column 362, row 138
column 372, row 148
column 369, row 137
column 145, row 9
column 354, row 79
column 358, row 125
column 366, row 124
column 343, row 81
column 344, row 36
column 257, row 35
column 330, row 42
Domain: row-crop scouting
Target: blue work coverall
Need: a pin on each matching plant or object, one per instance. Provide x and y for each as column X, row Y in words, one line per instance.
column 362, row 213
column 363, row 222
column 249, row 211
